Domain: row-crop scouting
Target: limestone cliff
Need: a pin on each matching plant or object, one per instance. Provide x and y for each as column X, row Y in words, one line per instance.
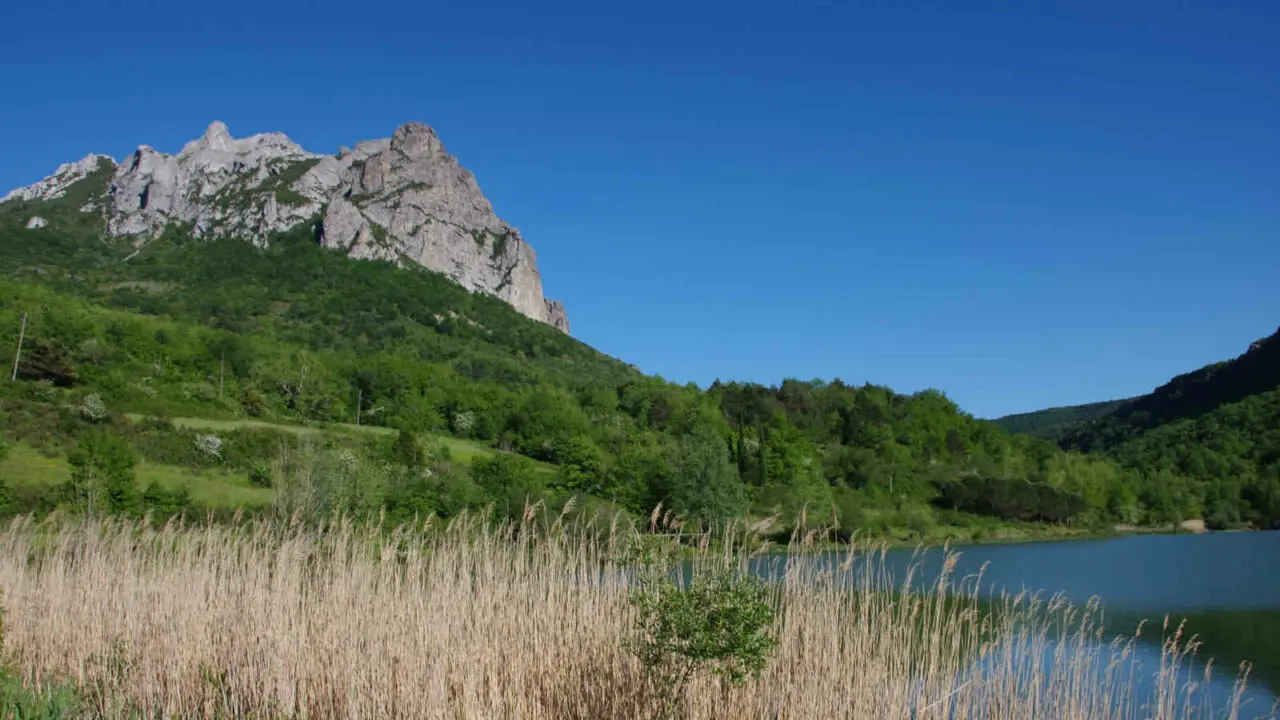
column 403, row 199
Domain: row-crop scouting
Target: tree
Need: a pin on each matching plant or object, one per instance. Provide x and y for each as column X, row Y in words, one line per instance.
column 581, row 465
column 408, row 451
column 704, row 483
column 102, row 477
column 509, row 480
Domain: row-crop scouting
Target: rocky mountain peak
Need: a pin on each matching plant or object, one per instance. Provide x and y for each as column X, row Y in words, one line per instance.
column 56, row 185
column 216, row 136
column 416, row 140
column 404, row 199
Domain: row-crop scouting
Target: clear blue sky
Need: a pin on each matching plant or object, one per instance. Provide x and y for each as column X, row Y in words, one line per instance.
column 1022, row 204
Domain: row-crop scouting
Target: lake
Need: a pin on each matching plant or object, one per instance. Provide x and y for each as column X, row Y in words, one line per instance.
column 1226, row 585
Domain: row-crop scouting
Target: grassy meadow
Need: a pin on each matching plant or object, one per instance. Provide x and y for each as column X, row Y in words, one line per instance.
column 482, row 619
column 460, row 450
column 25, row 467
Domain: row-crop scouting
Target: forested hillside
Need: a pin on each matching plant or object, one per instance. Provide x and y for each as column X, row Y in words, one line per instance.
column 297, row 334
column 1187, row 396
column 1209, row 440
column 1053, row 423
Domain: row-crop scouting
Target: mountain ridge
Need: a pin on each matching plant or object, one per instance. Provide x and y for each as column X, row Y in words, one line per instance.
column 1187, row 396
column 404, row 199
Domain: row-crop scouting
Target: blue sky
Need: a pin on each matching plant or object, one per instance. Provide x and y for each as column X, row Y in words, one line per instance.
column 1021, row 204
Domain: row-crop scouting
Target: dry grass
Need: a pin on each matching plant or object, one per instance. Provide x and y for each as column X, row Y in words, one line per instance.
column 470, row 621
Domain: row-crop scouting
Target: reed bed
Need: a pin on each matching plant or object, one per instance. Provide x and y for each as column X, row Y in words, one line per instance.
column 479, row 619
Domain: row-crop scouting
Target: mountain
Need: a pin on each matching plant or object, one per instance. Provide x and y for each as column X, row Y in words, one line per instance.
column 250, row 279
column 404, row 199
column 1186, row 397
column 1051, row 423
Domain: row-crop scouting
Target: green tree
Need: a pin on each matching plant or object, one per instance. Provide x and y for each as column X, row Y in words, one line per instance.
column 408, row 451
column 508, row 480
column 704, row 482
column 102, row 477
column 581, row 465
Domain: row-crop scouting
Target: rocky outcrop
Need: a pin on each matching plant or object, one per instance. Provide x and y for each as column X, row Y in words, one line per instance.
column 411, row 200
column 217, row 184
column 404, row 199
column 36, row 222
column 57, row 184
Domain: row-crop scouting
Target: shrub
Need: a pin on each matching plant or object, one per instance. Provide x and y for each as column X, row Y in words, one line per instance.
column 260, row 474
column 93, row 409
column 720, row 624
column 209, row 445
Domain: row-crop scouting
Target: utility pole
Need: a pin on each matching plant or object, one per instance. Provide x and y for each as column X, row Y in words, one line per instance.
column 22, row 335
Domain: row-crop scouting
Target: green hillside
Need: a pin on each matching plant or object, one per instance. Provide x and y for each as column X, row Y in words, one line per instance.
column 1207, row 442
column 1187, row 396
column 486, row 405
column 1053, row 423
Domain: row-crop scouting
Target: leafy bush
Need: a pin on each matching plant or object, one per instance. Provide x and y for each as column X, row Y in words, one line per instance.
column 721, row 623
column 260, row 475
column 92, row 409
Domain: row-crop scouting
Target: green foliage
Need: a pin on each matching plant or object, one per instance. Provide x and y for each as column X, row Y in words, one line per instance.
column 297, row 334
column 510, row 481
column 721, row 623
column 316, row 481
column 102, row 477
column 408, row 451
column 1186, row 397
column 1053, row 423
column 704, row 482
column 166, row 503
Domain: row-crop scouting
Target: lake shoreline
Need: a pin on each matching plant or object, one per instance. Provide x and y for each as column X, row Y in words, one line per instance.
column 1031, row 539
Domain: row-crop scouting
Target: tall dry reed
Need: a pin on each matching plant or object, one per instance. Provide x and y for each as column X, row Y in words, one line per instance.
column 516, row 621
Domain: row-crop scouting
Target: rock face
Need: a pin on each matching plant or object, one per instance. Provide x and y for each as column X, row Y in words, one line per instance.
column 56, row 185
column 36, row 222
column 403, row 199
column 217, row 184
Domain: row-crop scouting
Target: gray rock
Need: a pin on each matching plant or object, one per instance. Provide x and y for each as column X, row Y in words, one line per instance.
column 36, row 222
column 218, row 184
column 404, row 199
column 55, row 186
column 408, row 199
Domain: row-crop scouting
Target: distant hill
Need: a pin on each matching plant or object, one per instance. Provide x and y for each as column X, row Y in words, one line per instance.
column 1052, row 423
column 1187, row 396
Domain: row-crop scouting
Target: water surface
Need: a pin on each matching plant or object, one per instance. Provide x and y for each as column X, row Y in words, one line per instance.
column 1225, row 585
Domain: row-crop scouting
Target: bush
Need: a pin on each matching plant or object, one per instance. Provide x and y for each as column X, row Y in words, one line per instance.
column 260, row 475
column 92, row 409
column 720, row 624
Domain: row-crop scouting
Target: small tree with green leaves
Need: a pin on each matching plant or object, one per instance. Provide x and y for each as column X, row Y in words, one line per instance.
column 721, row 623
column 102, row 477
